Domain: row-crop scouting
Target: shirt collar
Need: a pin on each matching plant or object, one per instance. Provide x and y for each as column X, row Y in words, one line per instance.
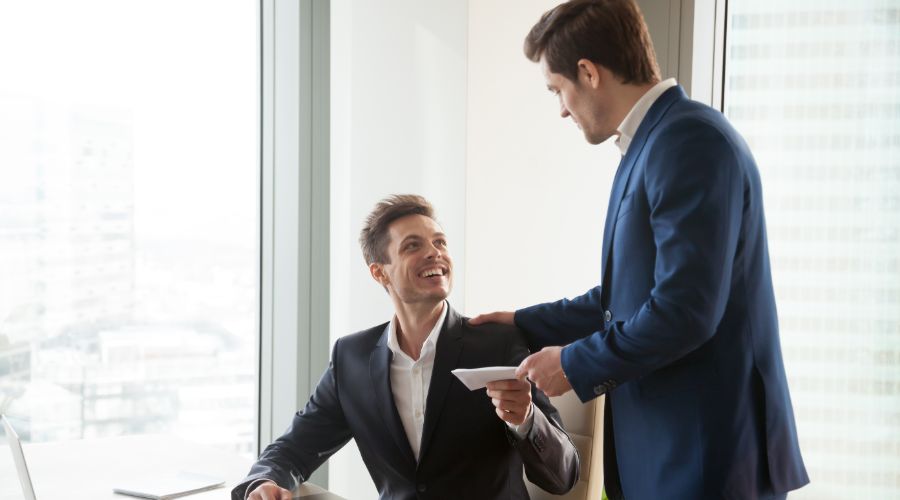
column 634, row 117
column 430, row 342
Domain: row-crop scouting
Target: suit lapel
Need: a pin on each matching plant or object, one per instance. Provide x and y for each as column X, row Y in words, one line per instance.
column 380, row 375
column 446, row 358
column 623, row 172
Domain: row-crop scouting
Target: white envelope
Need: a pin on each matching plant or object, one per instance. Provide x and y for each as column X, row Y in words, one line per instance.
column 477, row 378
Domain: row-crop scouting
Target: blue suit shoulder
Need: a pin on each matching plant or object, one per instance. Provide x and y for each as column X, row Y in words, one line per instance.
column 688, row 119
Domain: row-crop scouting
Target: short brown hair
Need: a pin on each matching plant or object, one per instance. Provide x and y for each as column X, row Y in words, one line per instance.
column 374, row 237
column 611, row 33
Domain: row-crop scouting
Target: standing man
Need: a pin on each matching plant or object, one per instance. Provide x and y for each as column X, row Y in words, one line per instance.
column 682, row 334
column 421, row 433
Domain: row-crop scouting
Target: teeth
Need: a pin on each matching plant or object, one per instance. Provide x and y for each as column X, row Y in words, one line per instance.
column 432, row 272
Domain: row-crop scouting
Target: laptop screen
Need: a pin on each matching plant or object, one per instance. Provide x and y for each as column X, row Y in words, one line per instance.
column 18, row 458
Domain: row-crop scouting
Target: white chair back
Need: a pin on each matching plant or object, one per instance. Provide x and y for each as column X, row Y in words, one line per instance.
column 584, row 422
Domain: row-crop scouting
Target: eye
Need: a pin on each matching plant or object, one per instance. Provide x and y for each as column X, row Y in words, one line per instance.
column 411, row 245
column 441, row 243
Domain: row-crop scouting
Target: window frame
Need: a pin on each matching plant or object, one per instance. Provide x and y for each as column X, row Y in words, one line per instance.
column 689, row 38
column 294, row 210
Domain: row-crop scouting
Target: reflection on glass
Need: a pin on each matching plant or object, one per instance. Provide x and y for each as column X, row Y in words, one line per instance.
column 815, row 88
column 128, row 219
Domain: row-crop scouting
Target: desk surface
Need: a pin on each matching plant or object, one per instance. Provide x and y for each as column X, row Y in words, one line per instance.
column 88, row 469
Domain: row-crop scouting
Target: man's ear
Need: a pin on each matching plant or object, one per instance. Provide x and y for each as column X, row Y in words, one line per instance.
column 589, row 73
column 378, row 274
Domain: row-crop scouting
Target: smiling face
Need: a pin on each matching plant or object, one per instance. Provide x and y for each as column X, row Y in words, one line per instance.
column 419, row 267
column 586, row 99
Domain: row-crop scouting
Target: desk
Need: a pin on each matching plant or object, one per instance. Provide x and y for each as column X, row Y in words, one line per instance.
column 88, row 469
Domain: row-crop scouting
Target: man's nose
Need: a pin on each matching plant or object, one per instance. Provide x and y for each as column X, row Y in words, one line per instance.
column 563, row 112
column 434, row 251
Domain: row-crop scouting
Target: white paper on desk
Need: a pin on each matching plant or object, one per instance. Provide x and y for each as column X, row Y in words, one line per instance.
column 166, row 486
column 476, row 378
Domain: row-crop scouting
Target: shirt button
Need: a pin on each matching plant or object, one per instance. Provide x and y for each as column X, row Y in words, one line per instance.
column 421, row 488
column 418, row 413
column 607, row 316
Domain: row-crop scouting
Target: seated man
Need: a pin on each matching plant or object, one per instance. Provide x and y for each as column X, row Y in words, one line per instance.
column 420, row 431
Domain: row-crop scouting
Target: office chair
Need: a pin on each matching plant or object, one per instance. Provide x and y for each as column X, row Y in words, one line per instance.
column 584, row 422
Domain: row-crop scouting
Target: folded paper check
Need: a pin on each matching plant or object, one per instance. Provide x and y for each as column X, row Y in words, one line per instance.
column 477, row 378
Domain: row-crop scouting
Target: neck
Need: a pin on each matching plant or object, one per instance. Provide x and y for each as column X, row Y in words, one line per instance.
column 627, row 95
column 414, row 323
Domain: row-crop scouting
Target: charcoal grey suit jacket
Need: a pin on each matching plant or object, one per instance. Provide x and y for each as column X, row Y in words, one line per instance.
column 466, row 450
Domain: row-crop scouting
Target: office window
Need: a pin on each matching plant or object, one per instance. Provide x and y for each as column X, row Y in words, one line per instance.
column 129, row 219
column 814, row 86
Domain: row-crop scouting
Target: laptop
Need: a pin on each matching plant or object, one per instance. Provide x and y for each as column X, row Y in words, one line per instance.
column 158, row 487
column 15, row 445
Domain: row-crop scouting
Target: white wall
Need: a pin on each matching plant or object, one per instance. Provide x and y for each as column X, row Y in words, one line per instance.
column 536, row 191
column 398, row 98
column 520, row 193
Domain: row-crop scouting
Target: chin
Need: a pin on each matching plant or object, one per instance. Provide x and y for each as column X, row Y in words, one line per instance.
column 596, row 139
column 439, row 296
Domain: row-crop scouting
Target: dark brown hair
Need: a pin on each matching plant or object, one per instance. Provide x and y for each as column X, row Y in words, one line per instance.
column 374, row 237
column 611, row 33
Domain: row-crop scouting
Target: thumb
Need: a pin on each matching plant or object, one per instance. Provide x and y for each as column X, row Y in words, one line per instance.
column 522, row 369
column 285, row 495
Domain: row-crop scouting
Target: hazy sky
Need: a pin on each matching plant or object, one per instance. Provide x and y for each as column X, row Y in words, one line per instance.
column 184, row 72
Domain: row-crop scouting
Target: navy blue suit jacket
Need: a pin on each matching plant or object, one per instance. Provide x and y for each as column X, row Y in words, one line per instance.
column 682, row 334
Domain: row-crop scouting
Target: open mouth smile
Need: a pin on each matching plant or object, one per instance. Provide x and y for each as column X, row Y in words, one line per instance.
column 435, row 272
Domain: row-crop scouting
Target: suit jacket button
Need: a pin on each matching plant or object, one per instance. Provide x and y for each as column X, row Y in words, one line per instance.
column 598, row 390
column 421, row 488
column 607, row 315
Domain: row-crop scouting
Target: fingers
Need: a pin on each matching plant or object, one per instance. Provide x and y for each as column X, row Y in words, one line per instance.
column 511, row 405
column 515, row 418
column 505, row 317
column 524, row 366
column 509, row 385
column 512, row 413
column 527, row 368
column 270, row 491
column 511, row 399
column 510, row 392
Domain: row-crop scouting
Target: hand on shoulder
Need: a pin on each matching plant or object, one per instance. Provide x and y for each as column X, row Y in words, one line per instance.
column 502, row 317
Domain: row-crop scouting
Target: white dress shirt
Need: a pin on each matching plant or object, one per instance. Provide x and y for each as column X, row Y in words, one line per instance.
column 634, row 117
column 410, row 380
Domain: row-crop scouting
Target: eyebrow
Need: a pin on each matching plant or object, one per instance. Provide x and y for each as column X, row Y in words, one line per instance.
column 419, row 238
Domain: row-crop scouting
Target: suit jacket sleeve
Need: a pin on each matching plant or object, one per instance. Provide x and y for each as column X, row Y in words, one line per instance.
column 694, row 190
column 548, row 453
column 315, row 434
column 563, row 321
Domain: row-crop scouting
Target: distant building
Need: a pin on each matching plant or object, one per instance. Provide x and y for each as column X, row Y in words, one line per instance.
column 815, row 89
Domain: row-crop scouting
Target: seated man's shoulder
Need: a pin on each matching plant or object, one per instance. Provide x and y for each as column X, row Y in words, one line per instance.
column 364, row 340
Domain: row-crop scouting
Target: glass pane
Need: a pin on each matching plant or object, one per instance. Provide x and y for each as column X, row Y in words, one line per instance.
column 814, row 86
column 129, row 207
